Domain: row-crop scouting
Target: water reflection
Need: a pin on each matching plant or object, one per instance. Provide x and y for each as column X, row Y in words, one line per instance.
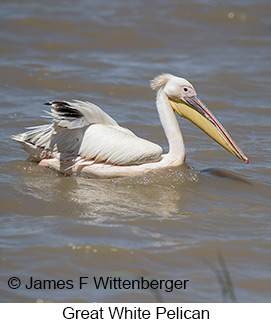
column 156, row 193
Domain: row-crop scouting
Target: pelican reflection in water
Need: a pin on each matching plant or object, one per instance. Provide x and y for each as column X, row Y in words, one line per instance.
column 85, row 140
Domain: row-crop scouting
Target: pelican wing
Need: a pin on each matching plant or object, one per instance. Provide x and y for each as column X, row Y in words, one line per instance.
column 83, row 129
column 78, row 114
column 112, row 145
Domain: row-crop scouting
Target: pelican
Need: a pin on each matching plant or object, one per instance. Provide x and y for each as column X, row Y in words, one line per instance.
column 84, row 140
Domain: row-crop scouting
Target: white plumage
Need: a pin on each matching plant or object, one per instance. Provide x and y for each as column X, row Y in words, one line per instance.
column 85, row 140
column 83, row 129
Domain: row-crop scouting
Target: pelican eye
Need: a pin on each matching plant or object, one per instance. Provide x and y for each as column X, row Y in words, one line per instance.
column 185, row 89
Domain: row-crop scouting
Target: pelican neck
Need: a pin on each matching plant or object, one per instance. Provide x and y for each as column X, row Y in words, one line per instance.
column 171, row 127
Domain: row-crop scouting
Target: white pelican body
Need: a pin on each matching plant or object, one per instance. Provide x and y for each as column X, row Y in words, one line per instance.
column 85, row 140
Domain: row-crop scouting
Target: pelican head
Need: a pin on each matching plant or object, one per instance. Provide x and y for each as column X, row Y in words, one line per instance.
column 183, row 99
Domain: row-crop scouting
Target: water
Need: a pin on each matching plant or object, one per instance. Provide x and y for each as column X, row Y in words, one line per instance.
column 171, row 225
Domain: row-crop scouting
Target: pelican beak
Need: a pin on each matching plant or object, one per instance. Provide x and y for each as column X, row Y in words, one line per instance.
column 194, row 110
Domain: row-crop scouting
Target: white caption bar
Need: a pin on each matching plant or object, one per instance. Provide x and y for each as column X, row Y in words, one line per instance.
column 138, row 312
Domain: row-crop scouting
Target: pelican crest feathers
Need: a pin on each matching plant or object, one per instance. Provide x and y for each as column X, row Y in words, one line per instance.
column 160, row 81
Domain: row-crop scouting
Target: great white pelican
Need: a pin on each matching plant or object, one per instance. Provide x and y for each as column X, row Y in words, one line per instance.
column 85, row 140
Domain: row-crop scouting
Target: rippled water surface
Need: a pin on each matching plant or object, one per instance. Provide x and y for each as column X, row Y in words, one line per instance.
column 170, row 225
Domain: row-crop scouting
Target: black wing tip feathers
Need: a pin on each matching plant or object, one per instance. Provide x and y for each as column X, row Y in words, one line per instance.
column 64, row 109
column 63, row 104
